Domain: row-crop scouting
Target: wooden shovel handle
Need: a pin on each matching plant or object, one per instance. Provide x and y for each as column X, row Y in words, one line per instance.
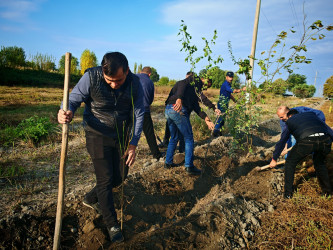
column 61, row 191
column 268, row 166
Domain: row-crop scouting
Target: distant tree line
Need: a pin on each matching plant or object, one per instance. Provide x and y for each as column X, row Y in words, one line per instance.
column 295, row 83
column 15, row 57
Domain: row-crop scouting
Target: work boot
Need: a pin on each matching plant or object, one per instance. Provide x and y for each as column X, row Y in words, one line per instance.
column 193, row 170
column 115, row 234
column 94, row 206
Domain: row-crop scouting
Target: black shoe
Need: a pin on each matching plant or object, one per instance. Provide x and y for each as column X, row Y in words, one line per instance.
column 161, row 155
column 217, row 133
column 163, row 145
column 287, row 196
column 193, row 170
column 115, row 234
column 166, row 165
column 94, row 206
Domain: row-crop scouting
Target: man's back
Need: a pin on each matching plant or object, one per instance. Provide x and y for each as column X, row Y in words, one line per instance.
column 148, row 90
column 302, row 125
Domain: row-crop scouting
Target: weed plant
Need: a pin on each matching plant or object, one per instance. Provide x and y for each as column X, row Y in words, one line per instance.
column 33, row 129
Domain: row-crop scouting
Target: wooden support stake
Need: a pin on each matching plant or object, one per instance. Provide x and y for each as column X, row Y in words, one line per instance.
column 61, row 191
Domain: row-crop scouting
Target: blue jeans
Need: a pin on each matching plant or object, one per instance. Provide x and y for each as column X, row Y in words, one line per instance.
column 179, row 123
column 220, row 121
column 290, row 143
column 219, row 124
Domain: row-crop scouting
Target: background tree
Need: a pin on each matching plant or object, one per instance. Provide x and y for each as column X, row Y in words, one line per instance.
column 164, row 81
column 172, row 82
column 218, row 77
column 203, row 73
column 328, row 87
column 74, row 65
column 155, row 77
column 304, row 90
column 135, row 67
column 12, row 57
column 42, row 62
column 140, row 68
column 88, row 59
column 294, row 80
column 279, row 86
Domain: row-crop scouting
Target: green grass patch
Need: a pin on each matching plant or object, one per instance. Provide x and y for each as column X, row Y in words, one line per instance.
column 32, row 129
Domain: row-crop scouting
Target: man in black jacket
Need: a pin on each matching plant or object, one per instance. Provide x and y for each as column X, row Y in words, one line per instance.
column 312, row 136
column 205, row 84
column 182, row 100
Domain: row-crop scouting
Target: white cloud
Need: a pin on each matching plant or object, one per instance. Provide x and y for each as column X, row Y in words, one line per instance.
column 18, row 10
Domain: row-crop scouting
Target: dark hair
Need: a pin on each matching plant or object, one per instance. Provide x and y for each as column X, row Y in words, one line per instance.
column 112, row 61
column 190, row 73
column 292, row 112
column 146, row 70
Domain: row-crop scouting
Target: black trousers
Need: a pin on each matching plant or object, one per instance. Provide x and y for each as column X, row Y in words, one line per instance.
column 110, row 170
column 148, row 130
column 320, row 147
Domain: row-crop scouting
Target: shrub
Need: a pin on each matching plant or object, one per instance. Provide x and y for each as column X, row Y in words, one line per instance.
column 32, row 129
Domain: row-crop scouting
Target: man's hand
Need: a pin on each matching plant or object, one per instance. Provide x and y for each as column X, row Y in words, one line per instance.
column 65, row 117
column 178, row 105
column 218, row 112
column 209, row 123
column 130, row 152
column 272, row 164
column 244, row 89
column 284, row 152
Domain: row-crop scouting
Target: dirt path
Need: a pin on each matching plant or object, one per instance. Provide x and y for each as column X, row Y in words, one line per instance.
column 163, row 208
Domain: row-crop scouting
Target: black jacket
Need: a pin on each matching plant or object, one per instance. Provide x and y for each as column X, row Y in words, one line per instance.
column 304, row 124
column 301, row 126
column 191, row 94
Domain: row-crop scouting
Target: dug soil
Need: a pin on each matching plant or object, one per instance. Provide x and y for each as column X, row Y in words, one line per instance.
column 162, row 208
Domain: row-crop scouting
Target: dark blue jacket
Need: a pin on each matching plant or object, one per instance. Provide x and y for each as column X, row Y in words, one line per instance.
column 107, row 109
column 225, row 95
column 148, row 90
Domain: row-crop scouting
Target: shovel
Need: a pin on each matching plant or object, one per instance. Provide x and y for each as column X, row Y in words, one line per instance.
column 61, row 191
column 268, row 166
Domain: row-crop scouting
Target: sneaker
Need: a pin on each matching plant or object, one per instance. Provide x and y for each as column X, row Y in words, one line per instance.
column 94, row 206
column 193, row 170
column 115, row 234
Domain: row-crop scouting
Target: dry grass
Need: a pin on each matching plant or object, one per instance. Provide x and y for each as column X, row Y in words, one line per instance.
column 306, row 221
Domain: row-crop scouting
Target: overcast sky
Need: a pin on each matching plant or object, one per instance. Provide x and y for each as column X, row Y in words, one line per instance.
column 146, row 31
